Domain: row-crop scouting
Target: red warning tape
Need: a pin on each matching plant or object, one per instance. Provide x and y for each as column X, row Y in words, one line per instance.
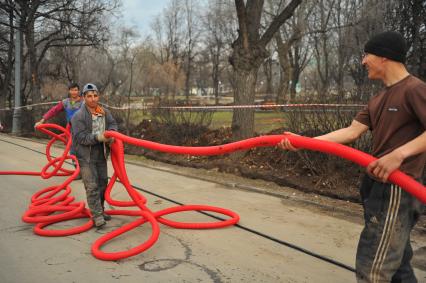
column 261, row 106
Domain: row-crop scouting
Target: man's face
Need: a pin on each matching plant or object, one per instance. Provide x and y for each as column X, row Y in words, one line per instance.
column 74, row 92
column 91, row 98
column 374, row 66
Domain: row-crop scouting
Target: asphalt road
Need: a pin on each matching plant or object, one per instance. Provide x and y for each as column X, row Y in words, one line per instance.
column 231, row 254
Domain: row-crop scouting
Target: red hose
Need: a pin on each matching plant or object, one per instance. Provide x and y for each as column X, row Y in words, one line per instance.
column 356, row 156
column 144, row 214
column 47, row 202
column 54, row 204
column 53, row 199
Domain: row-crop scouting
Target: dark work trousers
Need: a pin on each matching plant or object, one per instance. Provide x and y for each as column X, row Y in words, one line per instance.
column 384, row 250
column 95, row 179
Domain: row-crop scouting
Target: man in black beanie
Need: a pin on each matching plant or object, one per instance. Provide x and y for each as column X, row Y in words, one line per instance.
column 396, row 117
column 389, row 44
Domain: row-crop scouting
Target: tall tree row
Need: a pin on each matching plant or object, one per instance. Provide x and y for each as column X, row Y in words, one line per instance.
column 49, row 25
column 299, row 49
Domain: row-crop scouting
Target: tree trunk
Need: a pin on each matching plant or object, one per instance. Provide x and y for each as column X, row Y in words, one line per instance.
column 215, row 74
column 294, row 81
column 128, row 97
column 216, row 88
column 33, row 67
column 249, row 52
column 246, row 63
column 243, row 118
column 283, row 87
column 267, row 69
column 188, row 81
column 285, row 67
column 8, row 72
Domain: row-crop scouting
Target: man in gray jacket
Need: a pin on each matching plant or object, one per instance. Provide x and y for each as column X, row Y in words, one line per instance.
column 91, row 148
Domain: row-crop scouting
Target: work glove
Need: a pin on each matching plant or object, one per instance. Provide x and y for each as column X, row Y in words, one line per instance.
column 102, row 138
column 39, row 123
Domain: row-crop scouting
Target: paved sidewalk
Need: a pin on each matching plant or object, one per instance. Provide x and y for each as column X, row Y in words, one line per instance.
column 220, row 255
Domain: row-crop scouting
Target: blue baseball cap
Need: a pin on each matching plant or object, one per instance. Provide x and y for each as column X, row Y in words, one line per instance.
column 89, row 87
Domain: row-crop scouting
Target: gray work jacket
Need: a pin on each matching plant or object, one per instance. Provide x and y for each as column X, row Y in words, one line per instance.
column 82, row 137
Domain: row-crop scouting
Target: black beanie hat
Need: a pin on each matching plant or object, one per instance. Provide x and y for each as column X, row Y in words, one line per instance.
column 388, row 44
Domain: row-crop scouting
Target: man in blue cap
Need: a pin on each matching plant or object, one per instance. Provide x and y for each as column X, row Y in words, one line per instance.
column 92, row 148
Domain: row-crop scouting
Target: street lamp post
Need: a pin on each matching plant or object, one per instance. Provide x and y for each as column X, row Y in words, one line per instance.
column 16, row 123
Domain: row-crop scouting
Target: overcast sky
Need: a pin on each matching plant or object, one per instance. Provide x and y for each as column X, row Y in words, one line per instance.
column 140, row 13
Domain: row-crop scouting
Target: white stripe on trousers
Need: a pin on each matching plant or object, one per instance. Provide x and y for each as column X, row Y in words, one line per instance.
column 394, row 203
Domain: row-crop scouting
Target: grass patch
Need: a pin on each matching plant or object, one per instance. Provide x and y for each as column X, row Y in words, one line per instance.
column 265, row 121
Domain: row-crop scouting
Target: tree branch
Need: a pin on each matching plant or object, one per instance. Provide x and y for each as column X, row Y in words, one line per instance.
column 278, row 21
column 242, row 22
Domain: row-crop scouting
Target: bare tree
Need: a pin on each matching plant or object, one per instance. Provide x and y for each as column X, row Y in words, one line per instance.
column 161, row 54
column 283, row 49
column 191, row 37
column 6, row 54
column 320, row 23
column 218, row 25
column 286, row 36
column 249, row 52
column 268, row 72
column 169, row 36
column 409, row 17
column 127, row 55
column 298, row 51
column 50, row 24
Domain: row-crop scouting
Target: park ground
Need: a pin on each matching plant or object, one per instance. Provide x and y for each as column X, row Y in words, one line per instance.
column 323, row 225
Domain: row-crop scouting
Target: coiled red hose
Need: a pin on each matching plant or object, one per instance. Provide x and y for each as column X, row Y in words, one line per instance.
column 56, row 198
column 46, row 203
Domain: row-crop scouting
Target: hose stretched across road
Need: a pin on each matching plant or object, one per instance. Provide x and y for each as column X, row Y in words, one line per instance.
column 56, row 198
column 361, row 158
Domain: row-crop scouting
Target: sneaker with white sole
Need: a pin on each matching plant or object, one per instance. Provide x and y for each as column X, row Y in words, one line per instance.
column 99, row 221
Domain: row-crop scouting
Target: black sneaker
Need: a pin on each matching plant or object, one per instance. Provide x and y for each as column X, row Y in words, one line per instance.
column 107, row 217
column 99, row 221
